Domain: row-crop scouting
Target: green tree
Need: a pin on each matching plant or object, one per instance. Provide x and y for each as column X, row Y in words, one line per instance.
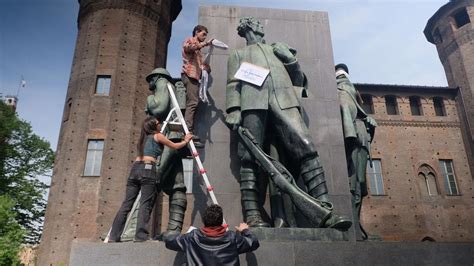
column 24, row 157
column 11, row 233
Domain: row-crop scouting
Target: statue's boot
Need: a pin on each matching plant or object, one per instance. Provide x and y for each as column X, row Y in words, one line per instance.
column 177, row 208
column 249, row 194
column 315, row 181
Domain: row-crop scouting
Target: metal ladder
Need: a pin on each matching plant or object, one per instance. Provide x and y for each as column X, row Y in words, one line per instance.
column 175, row 120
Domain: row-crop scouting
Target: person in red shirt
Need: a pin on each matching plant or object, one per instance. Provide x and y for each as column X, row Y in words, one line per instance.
column 191, row 73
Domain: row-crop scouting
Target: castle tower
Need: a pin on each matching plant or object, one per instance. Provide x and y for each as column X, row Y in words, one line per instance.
column 118, row 43
column 451, row 29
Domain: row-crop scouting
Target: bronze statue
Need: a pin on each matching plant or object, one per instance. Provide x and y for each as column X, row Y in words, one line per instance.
column 169, row 166
column 273, row 106
column 359, row 129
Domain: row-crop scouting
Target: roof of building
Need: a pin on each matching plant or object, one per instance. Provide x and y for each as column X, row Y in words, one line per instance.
column 441, row 11
column 404, row 88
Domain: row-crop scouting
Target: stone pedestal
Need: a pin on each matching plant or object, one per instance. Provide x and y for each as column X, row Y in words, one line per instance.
column 286, row 247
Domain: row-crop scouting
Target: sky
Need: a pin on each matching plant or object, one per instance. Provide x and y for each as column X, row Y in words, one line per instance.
column 381, row 41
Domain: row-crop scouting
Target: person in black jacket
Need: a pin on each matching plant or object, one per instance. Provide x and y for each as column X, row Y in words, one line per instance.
column 213, row 244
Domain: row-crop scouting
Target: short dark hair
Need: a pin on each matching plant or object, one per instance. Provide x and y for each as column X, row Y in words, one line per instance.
column 212, row 216
column 199, row 28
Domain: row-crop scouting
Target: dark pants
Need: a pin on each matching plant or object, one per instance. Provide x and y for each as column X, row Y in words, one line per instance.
column 192, row 99
column 142, row 179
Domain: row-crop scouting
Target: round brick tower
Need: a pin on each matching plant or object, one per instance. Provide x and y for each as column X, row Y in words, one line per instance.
column 118, row 43
column 451, row 29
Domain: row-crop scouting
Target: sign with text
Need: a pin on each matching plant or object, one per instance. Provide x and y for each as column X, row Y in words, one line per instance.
column 252, row 73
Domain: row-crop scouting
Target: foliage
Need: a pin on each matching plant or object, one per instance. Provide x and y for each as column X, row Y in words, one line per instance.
column 11, row 233
column 24, row 157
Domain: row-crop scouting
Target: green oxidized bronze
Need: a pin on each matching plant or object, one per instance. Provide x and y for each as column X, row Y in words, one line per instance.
column 274, row 107
column 359, row 129
column 169, row 165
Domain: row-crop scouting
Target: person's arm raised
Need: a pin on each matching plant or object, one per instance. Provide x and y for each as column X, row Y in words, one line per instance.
column 160, row 138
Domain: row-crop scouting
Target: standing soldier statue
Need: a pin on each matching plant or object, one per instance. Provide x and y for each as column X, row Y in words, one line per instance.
column 169, row 166
column 273, row 106
column 359, row 129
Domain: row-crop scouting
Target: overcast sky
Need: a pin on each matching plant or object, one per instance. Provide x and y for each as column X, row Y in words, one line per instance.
column 382, row 42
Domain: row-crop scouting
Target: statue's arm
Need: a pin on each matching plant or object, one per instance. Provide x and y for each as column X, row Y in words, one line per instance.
column 233, row 87
column 233, row 90
column 298, row 78
column 158, row 103
column 287, row 56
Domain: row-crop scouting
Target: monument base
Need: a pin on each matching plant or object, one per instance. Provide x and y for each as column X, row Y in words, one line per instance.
column 286, row 246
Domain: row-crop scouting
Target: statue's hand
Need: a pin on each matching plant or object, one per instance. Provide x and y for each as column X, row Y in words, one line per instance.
column 371, row 121
column 283, row 52
column 233, row 119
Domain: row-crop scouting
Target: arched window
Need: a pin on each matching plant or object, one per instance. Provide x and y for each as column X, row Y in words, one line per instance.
column 391, row 105
column 415, row 106
column 428, row 239
column 367, row 103
column 427, row 180
column 439, row 108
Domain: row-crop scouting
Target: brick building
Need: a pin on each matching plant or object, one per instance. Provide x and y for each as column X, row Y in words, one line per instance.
column 420, row 186
column 117, row 45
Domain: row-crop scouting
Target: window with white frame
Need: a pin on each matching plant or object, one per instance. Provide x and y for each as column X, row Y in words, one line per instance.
column 447, row 170
column 103, row 85
column 374, row 172
column 94, row 157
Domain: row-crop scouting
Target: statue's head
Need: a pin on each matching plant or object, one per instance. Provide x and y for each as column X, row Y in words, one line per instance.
column 249, row 24
column 342, row 66
column 156, row 74
column 341, row 69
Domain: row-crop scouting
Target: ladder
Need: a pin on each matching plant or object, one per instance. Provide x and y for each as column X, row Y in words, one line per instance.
column 179, row 121
column 175, row 121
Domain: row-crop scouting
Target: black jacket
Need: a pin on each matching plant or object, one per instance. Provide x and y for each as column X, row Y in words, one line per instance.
column 203, row 250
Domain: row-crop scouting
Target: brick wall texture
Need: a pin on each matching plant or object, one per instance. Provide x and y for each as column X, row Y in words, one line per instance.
column 126, row 40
